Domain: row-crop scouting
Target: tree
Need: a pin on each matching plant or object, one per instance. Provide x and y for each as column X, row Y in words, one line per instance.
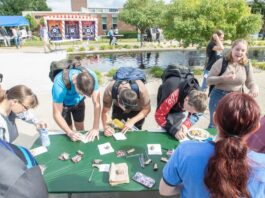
column 142, row 14
column 15, row 7
column 33, row 23
column 258, row 6
column 194, row 21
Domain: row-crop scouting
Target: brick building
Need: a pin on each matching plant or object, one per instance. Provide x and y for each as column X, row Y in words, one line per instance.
column 76, row 5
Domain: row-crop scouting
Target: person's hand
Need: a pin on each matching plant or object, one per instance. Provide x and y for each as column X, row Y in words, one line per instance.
column 108, row 131
column 93, row 133
column 74, row 136
column 127, row 126
column 41, row 125
column 253, row 94
column 181, row 134
column 230, row 76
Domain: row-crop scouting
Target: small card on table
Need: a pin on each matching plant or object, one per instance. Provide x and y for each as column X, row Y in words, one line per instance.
column 105, row 148
column 154, row 149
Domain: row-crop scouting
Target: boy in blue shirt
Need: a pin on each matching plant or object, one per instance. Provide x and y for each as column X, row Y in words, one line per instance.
column 69, row 103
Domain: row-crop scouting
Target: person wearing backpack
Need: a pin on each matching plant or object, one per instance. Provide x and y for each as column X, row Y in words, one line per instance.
column 70, row 87
column 20, row 175
column 129, row 99
column 233, row 78
column 179, row 101
column 15, row 104
column 214, row 51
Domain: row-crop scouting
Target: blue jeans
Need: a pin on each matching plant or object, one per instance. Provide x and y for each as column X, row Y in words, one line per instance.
column 204, row 81
column 215, row 96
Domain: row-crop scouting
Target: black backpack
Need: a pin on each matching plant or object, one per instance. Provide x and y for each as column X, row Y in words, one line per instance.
column 223, row 68
column 64, row 65
column 182, row 72
column 128, row 74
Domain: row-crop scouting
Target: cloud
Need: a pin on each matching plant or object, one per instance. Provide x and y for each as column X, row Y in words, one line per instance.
column 59, row 5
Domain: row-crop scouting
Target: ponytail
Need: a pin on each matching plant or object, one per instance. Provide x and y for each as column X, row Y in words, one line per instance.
column 2, row 94
column 228, row 169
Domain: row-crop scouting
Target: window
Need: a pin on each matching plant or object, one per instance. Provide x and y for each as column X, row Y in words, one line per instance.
column 114, row 22
column 104, row 23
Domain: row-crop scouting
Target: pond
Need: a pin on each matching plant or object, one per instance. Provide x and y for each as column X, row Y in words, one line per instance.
column 143, row 60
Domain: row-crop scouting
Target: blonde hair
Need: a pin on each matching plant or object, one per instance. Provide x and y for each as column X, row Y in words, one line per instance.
column 21, row 93
column 229, row 57
column 198, row 100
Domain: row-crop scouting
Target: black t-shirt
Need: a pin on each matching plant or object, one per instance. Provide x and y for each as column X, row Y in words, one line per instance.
column 212, row 55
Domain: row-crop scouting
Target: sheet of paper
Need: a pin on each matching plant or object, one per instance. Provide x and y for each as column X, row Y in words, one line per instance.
column 154, row 149
column 56, row 133
column 105, row 148
column 103, row 167
column 38, row 150
column 84, row 138
column 119, row 136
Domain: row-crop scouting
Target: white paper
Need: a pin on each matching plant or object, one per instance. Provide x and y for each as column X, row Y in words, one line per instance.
column 84, row 138
column 105, row 148
column 103, row 167
column 56, row 133
column 38, row 150
column 119, row 136
column 154, row 149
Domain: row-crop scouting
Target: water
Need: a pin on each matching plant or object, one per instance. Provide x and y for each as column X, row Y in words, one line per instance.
column 143, row 60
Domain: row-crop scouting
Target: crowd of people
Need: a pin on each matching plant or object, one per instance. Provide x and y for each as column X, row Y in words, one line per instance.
column 231, row 165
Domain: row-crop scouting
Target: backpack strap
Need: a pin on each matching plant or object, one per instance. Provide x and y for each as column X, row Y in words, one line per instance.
column 66, row 79
column 115, row 87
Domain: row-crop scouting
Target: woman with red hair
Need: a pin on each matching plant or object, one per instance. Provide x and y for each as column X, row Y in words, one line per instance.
column 223, row 168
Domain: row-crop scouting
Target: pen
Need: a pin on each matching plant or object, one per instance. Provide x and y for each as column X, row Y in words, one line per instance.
column 91, row 175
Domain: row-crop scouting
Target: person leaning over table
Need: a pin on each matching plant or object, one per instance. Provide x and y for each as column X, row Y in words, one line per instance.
column 238, row 73
column 222, row 168
column 15, row 103
column 70, row 103
column 128, row 106
column 179, row 105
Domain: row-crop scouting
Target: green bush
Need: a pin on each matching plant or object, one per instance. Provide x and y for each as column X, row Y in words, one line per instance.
column 81, row 49
column 126, row 46
column 260, row 65
column 129, row 34
column 111, row 72
column 70, row 49
column 156, row 71
column 91, row 48
column 103, row 47
column 136, row 46
column 197, row 71
column 99, row 76
column 111, row 47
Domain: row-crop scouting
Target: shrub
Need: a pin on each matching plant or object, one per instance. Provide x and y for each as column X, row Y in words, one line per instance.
column 70, row 49
column 129, row 34
column 136, row 46
column 81, row 49
column 111, row 72
column 99, row 76
column 91, row 48
column 156, row 71
column 197, row 71
column 103, row 47
column 127, row 46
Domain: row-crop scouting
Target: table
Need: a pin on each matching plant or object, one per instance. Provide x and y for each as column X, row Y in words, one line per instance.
column 67, row 177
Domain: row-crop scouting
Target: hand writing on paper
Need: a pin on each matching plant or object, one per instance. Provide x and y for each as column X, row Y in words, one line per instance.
column 127, row 126
column 74, row 136
column 108, row 131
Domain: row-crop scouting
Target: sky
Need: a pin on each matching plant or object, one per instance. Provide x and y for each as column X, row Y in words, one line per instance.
column 65, row 5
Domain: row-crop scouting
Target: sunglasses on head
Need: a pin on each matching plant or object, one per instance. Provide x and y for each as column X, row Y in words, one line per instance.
column 127, row 106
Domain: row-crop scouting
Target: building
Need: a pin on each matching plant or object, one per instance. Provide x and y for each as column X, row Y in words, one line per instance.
column 76, row 5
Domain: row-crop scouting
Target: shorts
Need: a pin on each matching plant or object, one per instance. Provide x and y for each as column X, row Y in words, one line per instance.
column 77, row 112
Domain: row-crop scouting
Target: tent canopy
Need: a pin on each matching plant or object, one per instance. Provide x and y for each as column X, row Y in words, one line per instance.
column 9, row 21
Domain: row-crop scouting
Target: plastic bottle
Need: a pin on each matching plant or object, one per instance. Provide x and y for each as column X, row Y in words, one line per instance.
column 45, row 140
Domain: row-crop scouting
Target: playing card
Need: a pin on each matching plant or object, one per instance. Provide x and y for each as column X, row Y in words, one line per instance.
column 105, row 148
column 154, row 149
column 144, row 180
column 84, row 138
column 119, row 136
column 38, row 150
column 120, row 153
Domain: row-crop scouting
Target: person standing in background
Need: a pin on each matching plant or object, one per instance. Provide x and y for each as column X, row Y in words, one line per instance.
column 214, row 51
column 15, row 36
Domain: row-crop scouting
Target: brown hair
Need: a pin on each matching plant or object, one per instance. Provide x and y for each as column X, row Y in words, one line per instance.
column 227, row 172
column 128, row 98
column 229, row 57
column 21, row 93
column 198, row 100
column 85, row 83
column 219, row 33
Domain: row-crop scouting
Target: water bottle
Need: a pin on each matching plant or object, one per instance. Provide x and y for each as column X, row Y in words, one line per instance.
column 45, row 140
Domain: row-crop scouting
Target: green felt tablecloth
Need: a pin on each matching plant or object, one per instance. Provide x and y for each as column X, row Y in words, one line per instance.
column 67, row 177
